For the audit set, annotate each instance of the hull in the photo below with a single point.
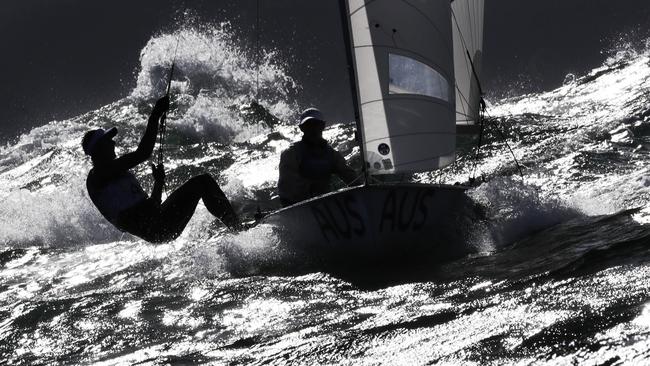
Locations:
(379, 223)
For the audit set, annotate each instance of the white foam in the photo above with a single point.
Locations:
(213, 76)
(516, 209)
(60, 217)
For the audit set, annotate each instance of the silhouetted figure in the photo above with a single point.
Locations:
(307, 165)
(121, 200)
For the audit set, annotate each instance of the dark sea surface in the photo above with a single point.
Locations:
(558, 272)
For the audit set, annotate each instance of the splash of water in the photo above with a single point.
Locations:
(43, 192)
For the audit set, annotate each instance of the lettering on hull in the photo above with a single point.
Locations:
(405, 211)
(340, 217)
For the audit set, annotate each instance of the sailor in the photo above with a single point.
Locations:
(121, 200)
(307, 165)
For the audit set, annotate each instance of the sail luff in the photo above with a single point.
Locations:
(347, 36)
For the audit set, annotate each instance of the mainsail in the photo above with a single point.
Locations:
(403, 58)
(467, 26)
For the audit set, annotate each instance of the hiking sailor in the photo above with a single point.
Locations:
(121, 200)
(307, 165)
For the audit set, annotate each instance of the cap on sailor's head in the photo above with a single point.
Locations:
(91, 138)
(311, 114)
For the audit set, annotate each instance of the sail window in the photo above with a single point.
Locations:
(409, 76)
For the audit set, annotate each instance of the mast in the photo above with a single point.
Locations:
(345, 24)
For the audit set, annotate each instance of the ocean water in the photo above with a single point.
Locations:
(558, 274)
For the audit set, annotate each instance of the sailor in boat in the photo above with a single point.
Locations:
(307, 165)
(121, 200)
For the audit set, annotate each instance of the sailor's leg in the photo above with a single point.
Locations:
(216, 201)
(180, 205)
(177, 210)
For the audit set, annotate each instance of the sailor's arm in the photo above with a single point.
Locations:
(290, 178)
(343, 170)
(148, 141)
(158, 172)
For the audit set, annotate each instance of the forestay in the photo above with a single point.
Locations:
(467, 25)
(403, 58)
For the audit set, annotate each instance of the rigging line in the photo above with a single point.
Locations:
(471, 26)
(466, 36)
(461, 94)
(357, 179)
(470, 62)
(464, 112)
(162, 127)
(508, 145)
(478, 146)
(469, 65)
(478, 81)
(257, 52)
(460, 32)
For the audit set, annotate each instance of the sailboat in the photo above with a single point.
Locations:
(415, 72)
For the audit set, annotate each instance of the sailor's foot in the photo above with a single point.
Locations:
(232, 222)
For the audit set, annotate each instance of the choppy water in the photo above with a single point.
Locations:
(559, 273)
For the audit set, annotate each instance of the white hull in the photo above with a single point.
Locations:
(379, 223)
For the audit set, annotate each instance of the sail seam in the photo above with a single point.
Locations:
(449, 47)
(361, 7)
(410, 96)
(425, 159)
(410, 134)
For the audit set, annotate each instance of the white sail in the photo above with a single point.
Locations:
(467, 19)
(403, 58)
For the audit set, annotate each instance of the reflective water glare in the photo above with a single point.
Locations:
(558, 272)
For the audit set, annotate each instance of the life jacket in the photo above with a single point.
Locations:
(113, 196)
(316, 163)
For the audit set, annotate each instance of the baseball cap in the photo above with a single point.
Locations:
(91, 138)
(311, 114)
